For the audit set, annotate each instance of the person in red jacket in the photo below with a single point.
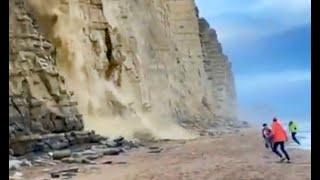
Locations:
(279, 138)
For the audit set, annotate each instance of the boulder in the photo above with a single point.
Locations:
(110, 143)
(112, 151)
(118, 139)
(14, 164)
(155, 151)
(61, 154)
(77, 160)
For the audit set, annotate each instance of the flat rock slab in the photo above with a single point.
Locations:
(61, 154)
(79, 160)
(154, 147)
(155, 151)
(111, 162)
(112, 151)
(64, 172)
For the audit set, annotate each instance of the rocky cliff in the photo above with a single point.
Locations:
(219, 74)
(119, 67)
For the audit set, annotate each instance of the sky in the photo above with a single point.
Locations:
(268, 43)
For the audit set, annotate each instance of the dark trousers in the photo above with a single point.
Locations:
(268, 142)
(275, 149)
(294, 137)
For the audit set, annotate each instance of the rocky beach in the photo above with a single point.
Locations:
(228, 156)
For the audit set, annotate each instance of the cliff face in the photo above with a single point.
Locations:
(219, 74)
(119, 67)
(39, 102)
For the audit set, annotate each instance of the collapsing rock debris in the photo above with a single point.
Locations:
(44, 143)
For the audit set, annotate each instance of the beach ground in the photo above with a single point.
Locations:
(240, 156)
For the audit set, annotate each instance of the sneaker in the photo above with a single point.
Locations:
(288, 161)
(282, 159)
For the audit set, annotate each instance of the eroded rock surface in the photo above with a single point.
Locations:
(220, 77)
(39, 102)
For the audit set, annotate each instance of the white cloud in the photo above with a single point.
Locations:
(267, 81)
(286, 12)
(287, 5)
(237, 20)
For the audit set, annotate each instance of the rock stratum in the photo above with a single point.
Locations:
(135, 68)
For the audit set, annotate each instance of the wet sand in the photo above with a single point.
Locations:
(239, 156)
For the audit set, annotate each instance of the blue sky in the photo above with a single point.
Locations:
(268, 43)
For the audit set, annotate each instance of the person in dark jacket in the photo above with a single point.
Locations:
(267, 135)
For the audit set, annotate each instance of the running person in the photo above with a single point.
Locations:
(267, 135)
(279, 139)
(293, 128)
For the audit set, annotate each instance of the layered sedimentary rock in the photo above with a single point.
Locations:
(189, 66)
(39, 102)
(129, 67)
(220, 77)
